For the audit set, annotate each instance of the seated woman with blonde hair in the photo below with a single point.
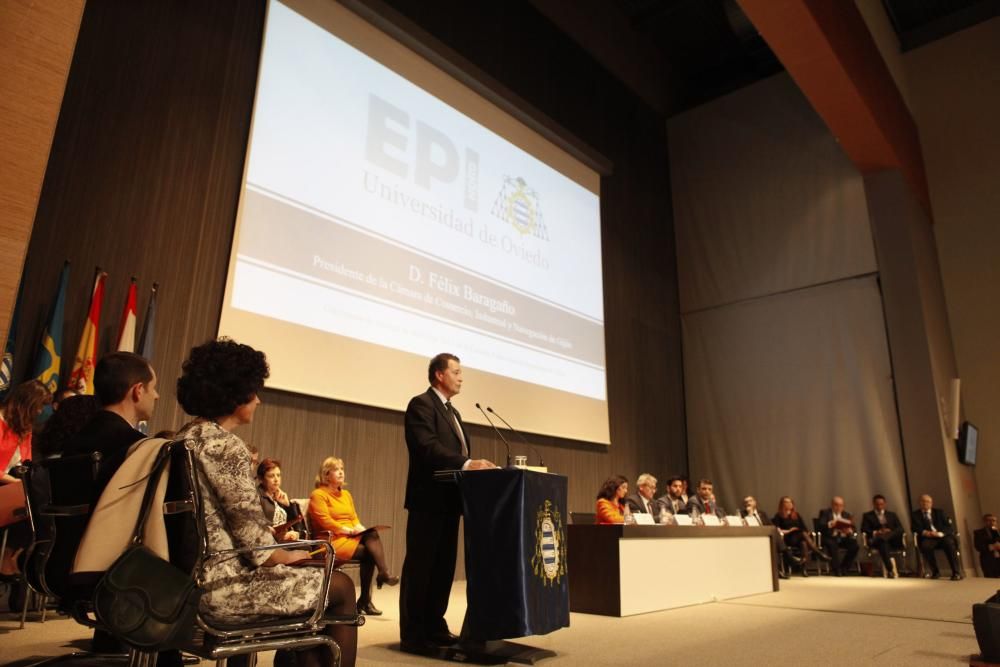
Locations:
(331, 510)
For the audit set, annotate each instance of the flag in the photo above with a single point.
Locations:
(146, 338)
(126, 330)
(7, 365)
(48, 362)
(81, 378)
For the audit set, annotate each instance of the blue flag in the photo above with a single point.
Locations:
(48, 362)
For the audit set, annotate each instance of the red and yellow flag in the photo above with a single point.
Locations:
(81, 378)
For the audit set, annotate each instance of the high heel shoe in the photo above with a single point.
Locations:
(368, 609)
(387, 579)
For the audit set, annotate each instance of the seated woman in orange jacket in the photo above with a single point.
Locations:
(611, 506)
(331, 510)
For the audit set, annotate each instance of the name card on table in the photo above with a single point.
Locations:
(683, 520)
(711, 520)
(735, 520)
(752, 520)
(643, 519)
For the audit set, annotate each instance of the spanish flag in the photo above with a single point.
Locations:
(126, 330)
(48, 361)
(81, 378)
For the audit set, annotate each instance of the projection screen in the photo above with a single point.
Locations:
(389, 212)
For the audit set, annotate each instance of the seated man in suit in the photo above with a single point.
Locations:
(673, 501)
(935, 531)
(750, 510)
(836, 525)
(987, 541)
(884, 533)
(704, 501)
(642, 501)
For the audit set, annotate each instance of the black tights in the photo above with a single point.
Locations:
(340, 602)
(371, 554)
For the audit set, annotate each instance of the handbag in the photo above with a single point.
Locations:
(142, 599)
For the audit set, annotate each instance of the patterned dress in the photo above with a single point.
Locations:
(238, 588)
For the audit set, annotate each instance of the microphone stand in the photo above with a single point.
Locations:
(541, 461)
(503, 439)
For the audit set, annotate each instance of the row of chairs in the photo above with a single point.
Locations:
(54, 489)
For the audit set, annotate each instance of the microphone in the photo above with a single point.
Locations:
(541, 461)
(505, 443)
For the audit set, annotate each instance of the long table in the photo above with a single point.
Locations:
(624, 570)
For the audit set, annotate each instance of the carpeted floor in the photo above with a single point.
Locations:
(816, 621)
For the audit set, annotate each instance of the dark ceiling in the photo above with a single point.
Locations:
(714, 49)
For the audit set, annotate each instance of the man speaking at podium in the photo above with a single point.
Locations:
(436, 440)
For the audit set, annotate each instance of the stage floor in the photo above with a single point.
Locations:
(815, 621)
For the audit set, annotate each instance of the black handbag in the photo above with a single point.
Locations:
(143, 600)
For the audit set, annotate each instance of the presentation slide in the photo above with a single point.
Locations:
(394, 212)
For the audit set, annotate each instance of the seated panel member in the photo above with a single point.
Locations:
(884, 532)
(611, 505)
(674, 501)
(750, 510)
(704, 501)
(277, 506)
(935, 531)
(987, 541)
(331, 510)
(642, 501)
(793, 530)
(836, 525)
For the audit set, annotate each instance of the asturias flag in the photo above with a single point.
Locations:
(81, 378)
(48, 361)
(126, 330)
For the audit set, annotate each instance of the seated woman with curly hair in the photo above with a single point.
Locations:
(331, 511)
(219, 386)
(611, 505)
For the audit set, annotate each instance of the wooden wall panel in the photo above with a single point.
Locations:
(36, 46)
(144, 179)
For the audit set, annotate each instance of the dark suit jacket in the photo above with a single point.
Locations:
(433, 444)
(110, 435)
(695, 502)
(636, 505)
(941, 522)
(765, 520)
(983, 538)
(869, 524)
(292, 510)
(825, 517)
(666, 501)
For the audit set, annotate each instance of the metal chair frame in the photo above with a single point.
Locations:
(872, 555)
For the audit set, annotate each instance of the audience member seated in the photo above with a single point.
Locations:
(643, 501)
(277, 507)
(884, 533)
(611, 505)
(219, 386)
(18, 412)
(935, 531)
(987, 541)
(684, 490)
(674, 500)
(793, 530)
(704, 501)
(125, 389)
(73, 414)
(61, 395)
(750, 511)
(836, 525)
(331, 510)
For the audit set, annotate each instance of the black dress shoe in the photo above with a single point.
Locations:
(793, 558)
(418, 647)
(368, 609)
(805, 573)
(935, 575)
(783, 575)
(385, 579)
(955, 576)
(444, 638)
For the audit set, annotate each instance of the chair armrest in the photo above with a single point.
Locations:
(64, 510)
